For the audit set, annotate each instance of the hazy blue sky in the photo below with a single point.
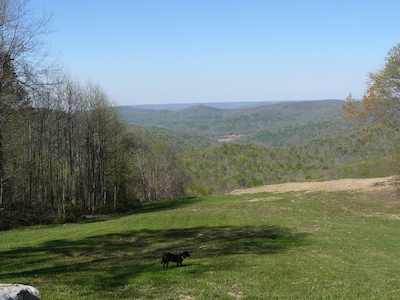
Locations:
(166, 51)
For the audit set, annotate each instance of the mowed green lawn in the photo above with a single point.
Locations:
(317, 245)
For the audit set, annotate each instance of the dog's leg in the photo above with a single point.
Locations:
(164, 263)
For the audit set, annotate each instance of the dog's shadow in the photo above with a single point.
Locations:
(188, 267)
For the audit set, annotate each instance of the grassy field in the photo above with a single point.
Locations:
(337, 245)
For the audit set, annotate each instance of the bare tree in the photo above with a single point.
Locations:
(161, 175)
(61, 144)
(23, 64)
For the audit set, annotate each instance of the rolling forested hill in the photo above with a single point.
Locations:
(226, 149)
(281, 124)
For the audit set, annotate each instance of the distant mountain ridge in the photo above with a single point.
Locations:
(219, 105)
(259, 125)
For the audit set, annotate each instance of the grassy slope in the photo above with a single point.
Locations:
(265, 246)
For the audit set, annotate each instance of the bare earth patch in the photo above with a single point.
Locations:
(229, 138)
(365, 185)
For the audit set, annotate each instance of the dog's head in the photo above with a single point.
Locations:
(185, 254)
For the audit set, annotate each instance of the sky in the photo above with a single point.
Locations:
(202, 51)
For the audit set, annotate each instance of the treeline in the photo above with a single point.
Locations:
(232, 166)
(63, 151)
(65, 154)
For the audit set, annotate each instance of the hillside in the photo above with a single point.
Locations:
(280, 124)
(228, 149)
(230, 167)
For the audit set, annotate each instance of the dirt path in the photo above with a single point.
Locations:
(366, 185)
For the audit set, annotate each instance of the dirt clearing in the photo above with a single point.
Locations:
(365, 185)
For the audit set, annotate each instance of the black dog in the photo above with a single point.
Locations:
(178, 258)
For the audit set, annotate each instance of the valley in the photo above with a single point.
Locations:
(228, 149)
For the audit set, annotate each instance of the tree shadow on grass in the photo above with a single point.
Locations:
(104, 262)
(160, 205)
